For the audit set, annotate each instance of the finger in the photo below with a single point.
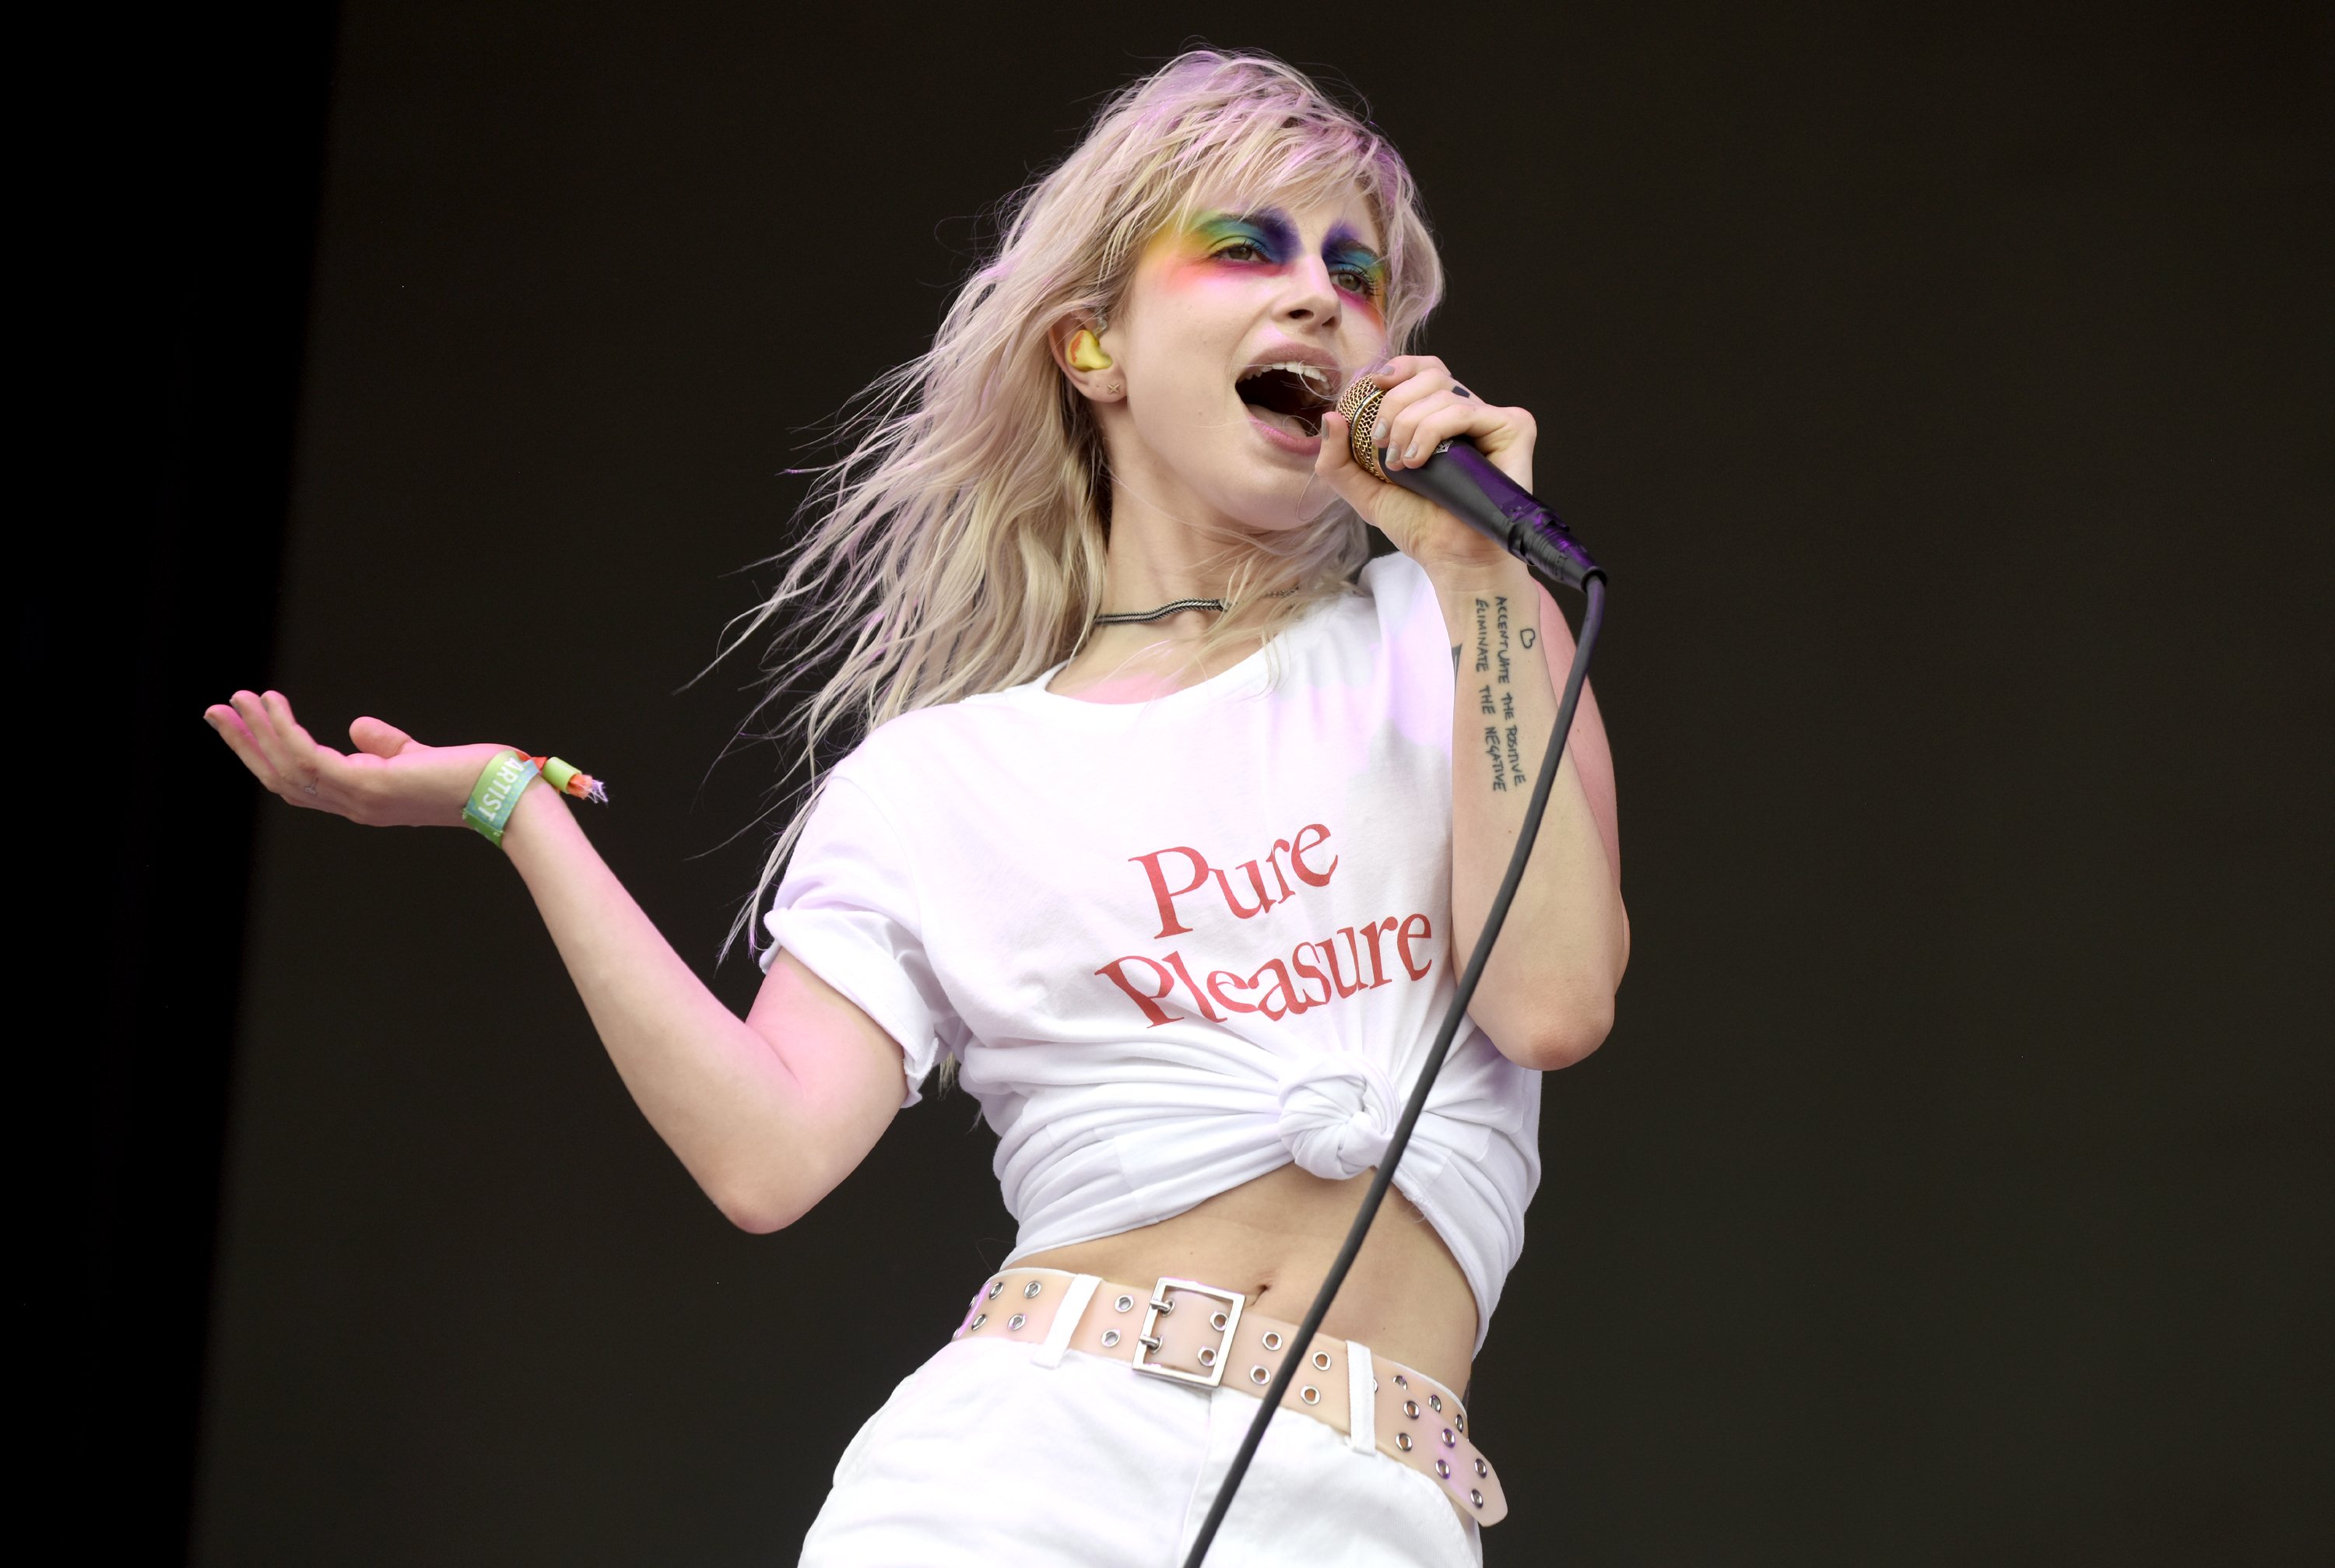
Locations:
(237, 735)
(307, 764)
(294, 750)
(294, 733)
(227, 721)
(378, 738)
(1400, 435)
(1398, 413)
(279, 710)
(1444, 420)
(1335, 466)
(1336, 453)
(261, 723)
(1404, 367)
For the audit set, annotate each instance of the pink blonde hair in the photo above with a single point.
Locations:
(957, 545)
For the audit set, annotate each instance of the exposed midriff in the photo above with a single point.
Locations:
(1275, 1239)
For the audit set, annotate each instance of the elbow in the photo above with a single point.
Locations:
(1581, 1015)
(756, 1221)
(1562, 1034)
(1583, 1031)
(758, 1208)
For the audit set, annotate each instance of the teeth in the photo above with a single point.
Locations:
(1312, 375)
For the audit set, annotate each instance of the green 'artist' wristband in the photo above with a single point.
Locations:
(496, 795)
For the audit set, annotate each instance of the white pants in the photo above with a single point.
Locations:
(985, 1456)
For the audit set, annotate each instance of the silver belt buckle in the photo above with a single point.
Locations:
(1213, 1359)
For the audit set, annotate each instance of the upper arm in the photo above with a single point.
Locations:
(846, 1074)
(1586, 749)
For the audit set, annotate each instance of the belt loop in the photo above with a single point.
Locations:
(1067, 1313)
(1361, 1399)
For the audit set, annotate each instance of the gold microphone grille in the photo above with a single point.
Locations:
(1360, 405)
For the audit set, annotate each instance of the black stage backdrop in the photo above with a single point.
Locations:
(1949, 398)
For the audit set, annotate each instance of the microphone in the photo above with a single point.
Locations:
(1463, 481)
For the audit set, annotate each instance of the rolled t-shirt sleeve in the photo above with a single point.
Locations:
(847, 909)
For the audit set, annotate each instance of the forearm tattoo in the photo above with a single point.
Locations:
(1496, 699)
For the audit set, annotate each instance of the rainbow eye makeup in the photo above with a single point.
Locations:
(1264, 237)
(1268, 238)
(1355, 266)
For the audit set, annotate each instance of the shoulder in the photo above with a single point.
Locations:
(926, 741)
(1397, 586)
(1394, 574)
(1405, 601)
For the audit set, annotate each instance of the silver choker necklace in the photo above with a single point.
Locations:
(1134, 617)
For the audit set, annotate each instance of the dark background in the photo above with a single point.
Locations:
(1951, 399)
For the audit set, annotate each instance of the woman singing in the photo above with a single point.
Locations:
(1169, 816)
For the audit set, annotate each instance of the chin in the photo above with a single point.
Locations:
(1279, 502)
(1277, 489)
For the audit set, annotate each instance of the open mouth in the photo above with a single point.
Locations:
(1288, 396)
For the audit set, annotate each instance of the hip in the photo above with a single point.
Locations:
(990, 1452)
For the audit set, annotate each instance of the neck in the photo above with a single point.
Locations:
(1166, 543)
(1156, 556)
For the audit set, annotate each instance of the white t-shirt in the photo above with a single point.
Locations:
(1177, 945)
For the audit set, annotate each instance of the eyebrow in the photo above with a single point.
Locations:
(1344, 241)
(1273, 226)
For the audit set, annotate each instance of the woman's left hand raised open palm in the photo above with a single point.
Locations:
(390, 780)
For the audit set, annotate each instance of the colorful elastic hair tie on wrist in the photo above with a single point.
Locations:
(506, 778)
(569, 780)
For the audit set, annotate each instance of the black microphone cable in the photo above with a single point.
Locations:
(1460, 479)
(1593, 618)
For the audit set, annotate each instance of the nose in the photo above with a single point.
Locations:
(1313, 298)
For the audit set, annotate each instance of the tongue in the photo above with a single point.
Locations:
(1281, 421)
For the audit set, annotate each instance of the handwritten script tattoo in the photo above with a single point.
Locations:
(1495, 699)
(1508, 703)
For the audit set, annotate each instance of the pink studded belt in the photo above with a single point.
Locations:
(1193, 1334)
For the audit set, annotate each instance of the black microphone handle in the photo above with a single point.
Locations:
(1462, 481)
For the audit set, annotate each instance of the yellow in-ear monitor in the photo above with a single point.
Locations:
(1085, 351)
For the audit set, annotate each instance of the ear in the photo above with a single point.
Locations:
(1084, 358)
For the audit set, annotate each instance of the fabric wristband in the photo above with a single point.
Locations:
(496, 795)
